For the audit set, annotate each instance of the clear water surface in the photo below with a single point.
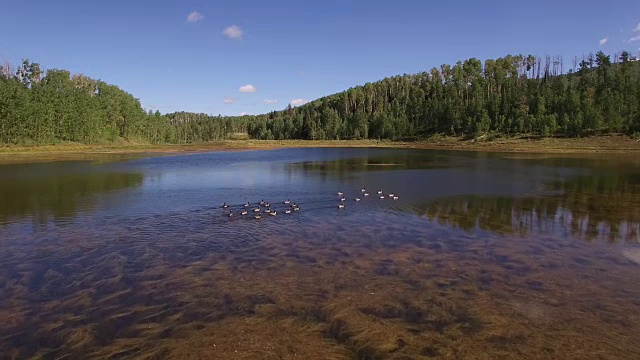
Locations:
(482, 256)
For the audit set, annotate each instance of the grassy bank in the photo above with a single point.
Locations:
(71, 151)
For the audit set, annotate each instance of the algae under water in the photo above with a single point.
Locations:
(482, 257)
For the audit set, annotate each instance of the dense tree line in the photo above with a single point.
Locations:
(510, 95)
(37, 109)
(56, 106)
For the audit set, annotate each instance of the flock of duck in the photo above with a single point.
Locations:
(287, 207)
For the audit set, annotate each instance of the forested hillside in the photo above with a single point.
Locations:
(37, 109)
(512, 95)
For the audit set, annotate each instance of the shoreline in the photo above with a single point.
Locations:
(614, 144)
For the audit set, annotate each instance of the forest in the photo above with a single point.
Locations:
(513, 95)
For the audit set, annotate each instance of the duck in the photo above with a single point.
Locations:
(379, 191)
(381, 196)
(363, 190)
(272, 213)
(288, 211)
(366, 194)
(358, 199)
(340, 193)
(267, 205)
(340, 206)
(247, 205)
(262, 202)
(224, 206)
(287, 202)
(391, 195)
(230, 214)
(343, 199)
(297, 208)
(244, 212)
(257, 216)
(256, 210)
(268, 211)
(395, 198)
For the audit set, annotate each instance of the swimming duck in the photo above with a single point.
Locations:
(391, 195)
(262, 202)
(272, 213)
(287, 202)
(340, 193)
(358, 199)
(395, 198)
(267, 205)
(230, 214)
(244, 212)
(363, 190)
(297, 208)
(287, 211)
(379, 191)
(267, 211)
(257, 216)
(256, 210)
(381, 196)
(224, 206)
(366, 194)
(343, 199)
(247, 205)
(340, 206)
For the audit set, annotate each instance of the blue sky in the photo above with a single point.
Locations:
(293, 50)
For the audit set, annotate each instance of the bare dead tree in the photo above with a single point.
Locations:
(547, 66)
(6, 69)
(556, 65)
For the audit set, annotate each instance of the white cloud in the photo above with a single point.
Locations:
(637, 28)
(268, 101)
(194, 16)
(229, 100)
(244, 113)
(637, 38)
(604, 41)
(298, 102)
(233, 32)
(247, 88)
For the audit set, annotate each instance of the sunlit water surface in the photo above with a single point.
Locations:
(483, 256)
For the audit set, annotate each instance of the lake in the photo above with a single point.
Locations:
(481, 256)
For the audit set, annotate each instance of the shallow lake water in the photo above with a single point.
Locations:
(482, 256)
